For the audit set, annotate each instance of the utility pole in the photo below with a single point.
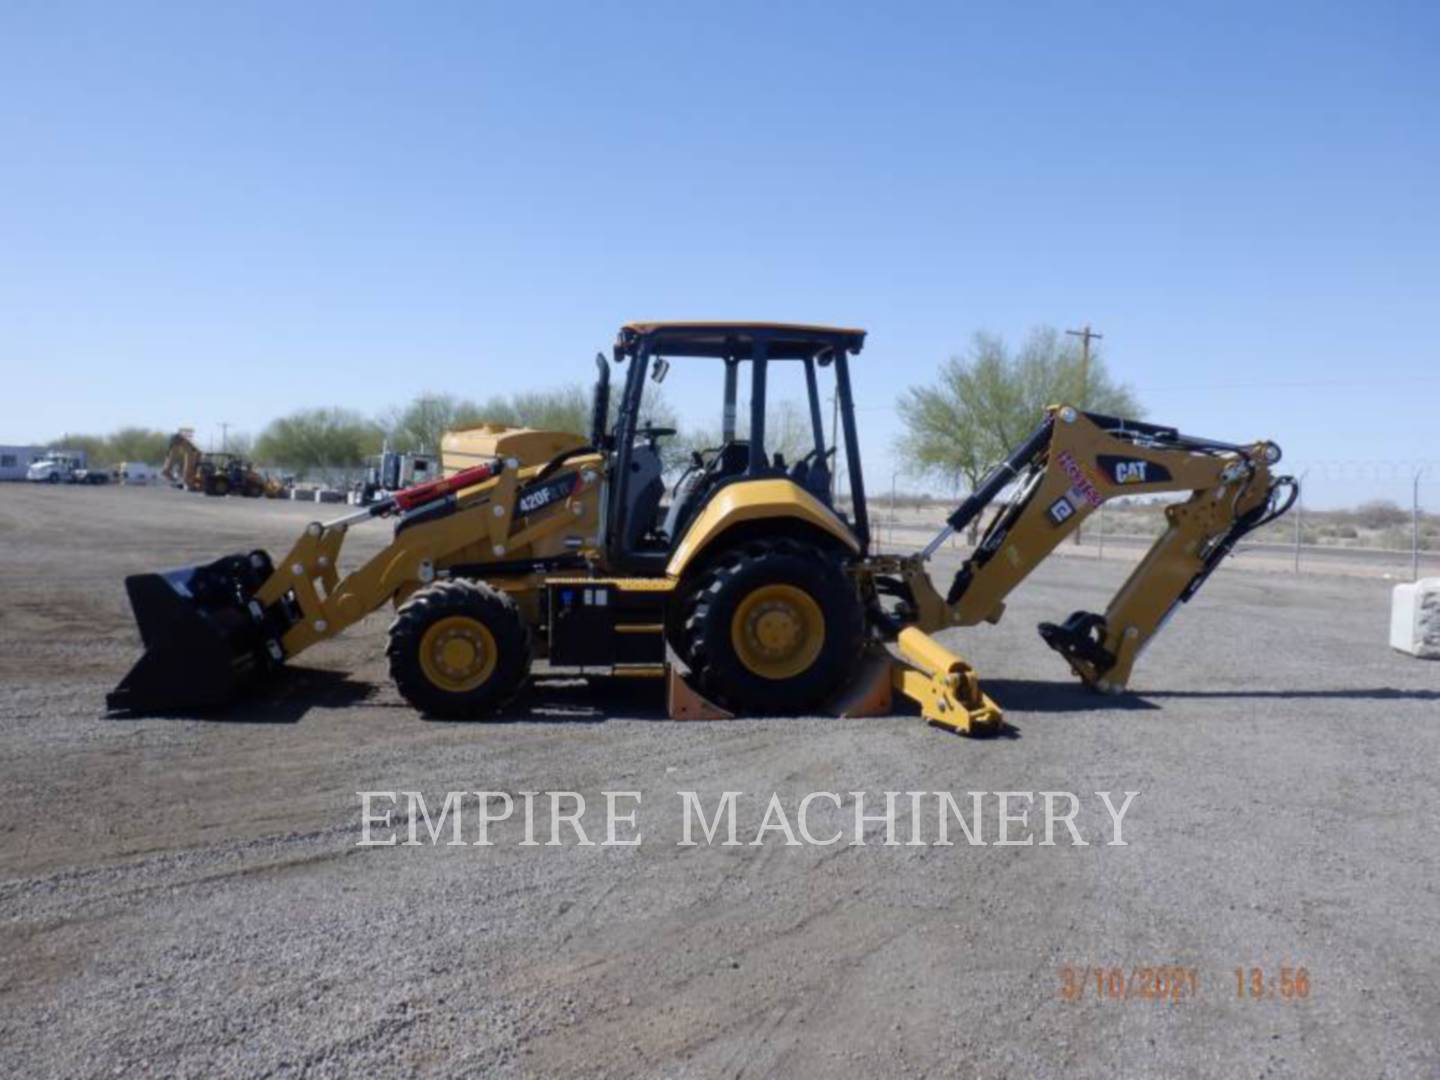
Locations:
(224, 434)
(1085, 334)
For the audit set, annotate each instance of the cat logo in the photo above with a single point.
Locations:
(1133, 470)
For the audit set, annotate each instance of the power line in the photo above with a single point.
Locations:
(1291, 384)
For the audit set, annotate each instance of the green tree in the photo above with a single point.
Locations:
(1381, 514)
(424, 422)
(420, 425)
(566, 409)
(787, 432)
(240, 443)
(984, 404)
(320, 440)
(123, 444)
(94, 447)
(137, 444)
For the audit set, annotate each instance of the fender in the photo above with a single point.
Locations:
(749, 500)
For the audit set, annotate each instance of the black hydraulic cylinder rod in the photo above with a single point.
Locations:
(1118, 425)
(1137, 427)
(999, 476)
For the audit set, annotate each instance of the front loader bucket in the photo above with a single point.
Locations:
(204, 637)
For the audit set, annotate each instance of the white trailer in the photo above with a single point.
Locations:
(136, 472)
(15, 461)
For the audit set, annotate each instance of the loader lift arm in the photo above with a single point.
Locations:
(1069, 466)
(209, 629)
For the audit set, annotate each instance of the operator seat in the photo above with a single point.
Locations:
(732, 459)
(814, 476)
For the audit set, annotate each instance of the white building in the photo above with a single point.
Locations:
(15, 460)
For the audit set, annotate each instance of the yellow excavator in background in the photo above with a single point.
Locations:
(214, 473)
(745, 584)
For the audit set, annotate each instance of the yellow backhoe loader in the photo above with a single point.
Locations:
(746, 584)
(214, 473)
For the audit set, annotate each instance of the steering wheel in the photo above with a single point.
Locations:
(809, 459)
(702, 462)
(653, 433)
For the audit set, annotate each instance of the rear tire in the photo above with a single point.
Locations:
(773, 627)
(458, 649)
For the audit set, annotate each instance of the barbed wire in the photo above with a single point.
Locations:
(1342, 469)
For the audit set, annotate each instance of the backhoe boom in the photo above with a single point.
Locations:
(1069, 466)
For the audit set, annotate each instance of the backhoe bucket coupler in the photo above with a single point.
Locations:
(944, 686)
(204, 636)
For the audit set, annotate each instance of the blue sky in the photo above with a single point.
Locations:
(314, 204)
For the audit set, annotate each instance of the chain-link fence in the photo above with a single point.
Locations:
(1367, 517)
(1365, 509)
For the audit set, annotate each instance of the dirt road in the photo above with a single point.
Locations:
(186, 897)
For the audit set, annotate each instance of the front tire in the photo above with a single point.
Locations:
(458, 649)
(773, 627)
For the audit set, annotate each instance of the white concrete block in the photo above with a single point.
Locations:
(1415, 618)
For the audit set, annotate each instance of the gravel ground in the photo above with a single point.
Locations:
(188, 897)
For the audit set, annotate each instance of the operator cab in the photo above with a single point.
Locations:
(641, 526)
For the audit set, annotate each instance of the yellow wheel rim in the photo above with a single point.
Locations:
(778, 631)
(458, 653)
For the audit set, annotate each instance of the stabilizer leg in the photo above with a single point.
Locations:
(944, 686)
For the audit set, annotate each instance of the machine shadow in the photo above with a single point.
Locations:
(1054, 696)
(1377, 693)
(282, 700)
(569, 700)
(1024, 695)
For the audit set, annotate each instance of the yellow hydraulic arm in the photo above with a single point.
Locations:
(475, 515)
(1070, 465)
(184, 455)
